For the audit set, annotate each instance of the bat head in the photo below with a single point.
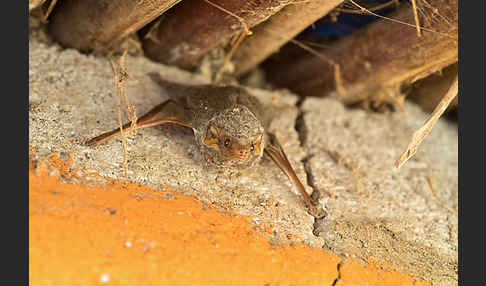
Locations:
(234, 137)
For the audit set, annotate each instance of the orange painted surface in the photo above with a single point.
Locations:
(374, 274)
(127, 234)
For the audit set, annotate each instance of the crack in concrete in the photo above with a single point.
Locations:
(339, 274)
(301, 128)
(315, 194)
(302, 131)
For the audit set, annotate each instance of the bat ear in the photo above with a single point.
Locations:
(259, 137)
(258, 143)
(212, 135)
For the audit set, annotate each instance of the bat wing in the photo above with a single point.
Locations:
(166, 112)
(275, 151)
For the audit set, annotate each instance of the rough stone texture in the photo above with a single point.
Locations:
(378, 211)
(389, 215)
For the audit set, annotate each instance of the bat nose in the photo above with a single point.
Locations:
(243, 154)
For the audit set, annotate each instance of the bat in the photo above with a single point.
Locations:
(228, 124)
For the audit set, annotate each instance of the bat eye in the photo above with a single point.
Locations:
(227, 142)
(252, 147)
